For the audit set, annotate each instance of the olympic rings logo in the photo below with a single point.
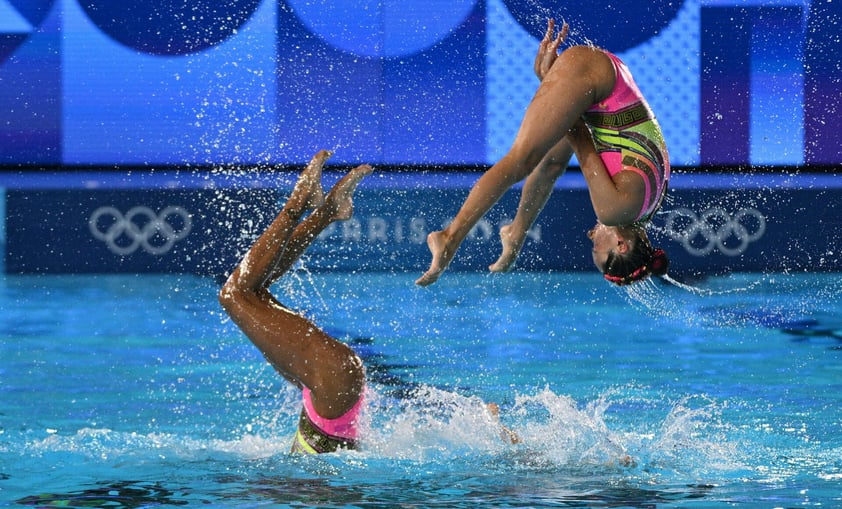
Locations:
(715, 228)
(140, 227)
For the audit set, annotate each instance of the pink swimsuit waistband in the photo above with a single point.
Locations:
(345, 426)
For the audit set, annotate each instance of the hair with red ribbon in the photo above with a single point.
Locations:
(657, 264)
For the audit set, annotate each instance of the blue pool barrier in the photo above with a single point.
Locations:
(201, 223)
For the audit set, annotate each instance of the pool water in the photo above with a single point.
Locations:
(135, 391)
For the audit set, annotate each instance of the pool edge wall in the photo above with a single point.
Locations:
(181, 222)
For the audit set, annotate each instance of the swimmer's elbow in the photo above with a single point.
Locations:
(228, 294)
(224, 297)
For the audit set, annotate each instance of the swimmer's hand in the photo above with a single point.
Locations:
(548, 49)
(627, 461)
(506, 434)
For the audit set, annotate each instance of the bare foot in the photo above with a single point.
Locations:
(511, 250)
(441, 259)
(340, 198)
(308, 193)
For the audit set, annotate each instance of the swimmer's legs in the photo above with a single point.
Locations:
(536, 191)
(295, 346)
(337, 206)
(257, 269)
(485, 193)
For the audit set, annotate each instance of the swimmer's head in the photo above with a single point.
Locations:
(624, 254)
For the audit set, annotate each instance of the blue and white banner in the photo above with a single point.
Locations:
(710, 224)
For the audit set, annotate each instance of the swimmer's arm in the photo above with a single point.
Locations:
(616, 200)
(508, 435)
(548, 49)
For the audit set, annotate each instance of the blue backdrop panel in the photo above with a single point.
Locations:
(723, 229)
(422, 106)
(752, 85)
(726, 88)
(30, 83)
(136, 230)
(417, 82)
(140, 89)
(823, 53)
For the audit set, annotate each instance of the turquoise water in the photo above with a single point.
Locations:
(135, 391)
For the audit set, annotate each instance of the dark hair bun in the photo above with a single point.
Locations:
(660, 262)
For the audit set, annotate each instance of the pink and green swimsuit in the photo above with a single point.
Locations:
(317, 434)
(628, 137)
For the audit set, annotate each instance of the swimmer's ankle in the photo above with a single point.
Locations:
(444, 238)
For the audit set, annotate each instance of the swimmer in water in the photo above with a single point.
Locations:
(329, 373)
(587, 104)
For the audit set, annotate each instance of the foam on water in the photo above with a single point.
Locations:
(435, 427)
(436, 439)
